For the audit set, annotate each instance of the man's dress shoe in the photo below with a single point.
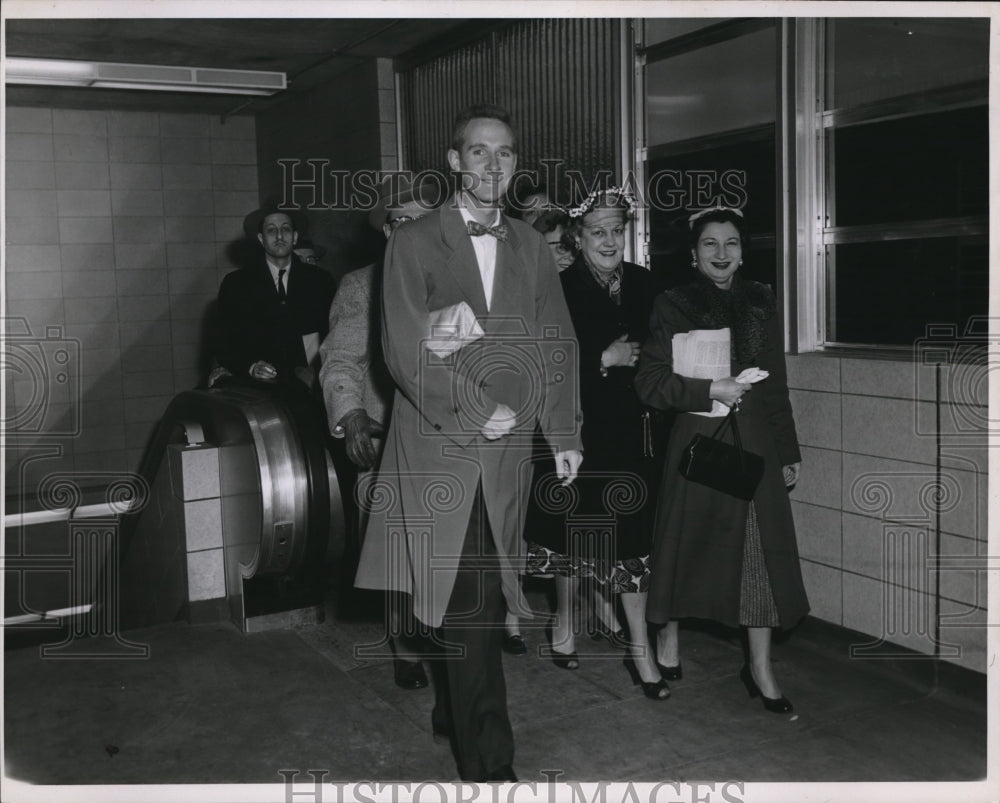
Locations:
(409, 675)
(504, 774)
(514, 644)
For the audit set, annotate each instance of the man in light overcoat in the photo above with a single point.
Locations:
(479, 341)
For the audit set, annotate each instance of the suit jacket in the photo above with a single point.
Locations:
(353, 374)
(435, 456)
(253, 325)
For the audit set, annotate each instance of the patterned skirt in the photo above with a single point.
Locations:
(757, 607)
(620, 576)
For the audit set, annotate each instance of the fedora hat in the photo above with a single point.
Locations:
(253, 221)
(402, 188)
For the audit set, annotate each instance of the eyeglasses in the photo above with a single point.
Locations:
(558, 247)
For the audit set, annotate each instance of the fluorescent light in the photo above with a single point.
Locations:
(159, 77)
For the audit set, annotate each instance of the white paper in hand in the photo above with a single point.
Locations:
(750, 376)
(451, 328)
(703, 354)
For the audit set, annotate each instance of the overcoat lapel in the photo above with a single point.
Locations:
(462, 259)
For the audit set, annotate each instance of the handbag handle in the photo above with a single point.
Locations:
(730, 421)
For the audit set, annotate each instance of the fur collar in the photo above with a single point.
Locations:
(744, 308)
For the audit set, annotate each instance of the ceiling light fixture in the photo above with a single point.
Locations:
(157, 77)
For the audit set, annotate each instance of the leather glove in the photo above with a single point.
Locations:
(359, 430)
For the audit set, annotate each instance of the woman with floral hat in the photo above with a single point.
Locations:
(604, 529)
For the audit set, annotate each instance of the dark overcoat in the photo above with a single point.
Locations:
(435, 455)
(699, 534)
(254, 325)
(614, 483)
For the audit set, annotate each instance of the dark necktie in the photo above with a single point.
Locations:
(478, 229)
(281, 285)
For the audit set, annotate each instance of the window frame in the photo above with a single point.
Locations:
(642, 56)
(810, 163)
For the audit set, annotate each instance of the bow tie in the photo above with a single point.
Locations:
(478, 229)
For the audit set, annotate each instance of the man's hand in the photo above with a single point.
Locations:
(567, 464)
(217, 373)
(263, 371)
(501, 423)
(358, 432)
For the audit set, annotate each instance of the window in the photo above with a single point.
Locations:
(710, 102)
(865, 149)
(902, 190)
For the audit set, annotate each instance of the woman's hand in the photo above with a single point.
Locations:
(791, 474)
(622, 352)
(728, 391)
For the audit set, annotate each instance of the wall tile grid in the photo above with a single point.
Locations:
(118, 227)
(883, 531)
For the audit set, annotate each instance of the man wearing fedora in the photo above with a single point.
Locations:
(273, 312)
(357, 388)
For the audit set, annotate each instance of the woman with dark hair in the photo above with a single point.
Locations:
(604, 530)
(552, 224)
(716, 556)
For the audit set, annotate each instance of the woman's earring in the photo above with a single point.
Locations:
(694, 262)
(741, 263)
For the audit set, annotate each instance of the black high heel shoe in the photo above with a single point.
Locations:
(566, 660)
(776, 705)
(670, 672)
(654, 690)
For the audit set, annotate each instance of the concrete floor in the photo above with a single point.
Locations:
(210, 705)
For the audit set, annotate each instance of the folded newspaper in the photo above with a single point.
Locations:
(451, 328)
(704, 354)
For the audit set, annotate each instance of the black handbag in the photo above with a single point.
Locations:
(710, 461)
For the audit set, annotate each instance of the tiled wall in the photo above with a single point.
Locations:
(118, 232)
(871, 495)
(317, 126)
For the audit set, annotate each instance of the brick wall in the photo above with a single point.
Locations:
(119, 229)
